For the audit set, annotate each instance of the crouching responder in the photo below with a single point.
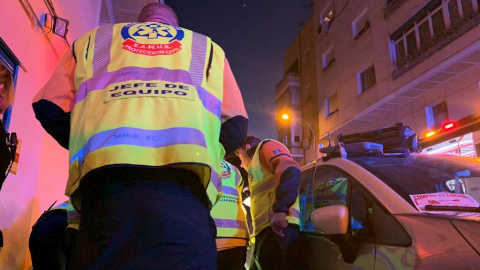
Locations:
(54, 238)
(229, 216)
(274, 180)
(7, 143)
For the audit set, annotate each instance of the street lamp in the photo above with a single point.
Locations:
(286, 117)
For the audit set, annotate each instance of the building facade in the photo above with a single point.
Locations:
(296, 95)
(417, 62)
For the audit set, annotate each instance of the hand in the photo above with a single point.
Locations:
(279, 222)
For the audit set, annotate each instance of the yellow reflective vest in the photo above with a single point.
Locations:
(262, 193)
(142, 100)
(228, 213)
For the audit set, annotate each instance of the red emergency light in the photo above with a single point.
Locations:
(449, 126)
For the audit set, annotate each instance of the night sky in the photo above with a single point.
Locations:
(255, 35)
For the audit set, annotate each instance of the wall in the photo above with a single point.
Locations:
(42, 168)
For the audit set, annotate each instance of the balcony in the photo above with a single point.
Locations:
(430, 30)
(288, 80)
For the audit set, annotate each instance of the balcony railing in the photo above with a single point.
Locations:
(431, 29)
(289, 76)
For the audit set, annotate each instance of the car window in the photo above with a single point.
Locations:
(361, 210)
(369, 220)
(329, 187)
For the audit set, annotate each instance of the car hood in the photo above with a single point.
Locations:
(466, 223)
(469, 229)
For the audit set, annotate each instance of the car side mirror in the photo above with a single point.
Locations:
(330, 220)
(333, 222)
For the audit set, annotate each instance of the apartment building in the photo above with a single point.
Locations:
(297, 96)
(379, 62)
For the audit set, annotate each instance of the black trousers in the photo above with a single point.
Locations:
(232, 258)
(46, 241)
(272, 252)
(137, 222)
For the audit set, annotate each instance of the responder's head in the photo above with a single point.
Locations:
(157, 12)
(247, 149)
(6, 88)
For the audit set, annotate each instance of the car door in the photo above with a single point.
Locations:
(324, 186)
(379, 241)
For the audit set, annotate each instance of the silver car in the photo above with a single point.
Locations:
(357, 211)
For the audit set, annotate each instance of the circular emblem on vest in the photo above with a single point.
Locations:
(152, 38)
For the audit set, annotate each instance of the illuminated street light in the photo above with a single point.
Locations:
(286, 117)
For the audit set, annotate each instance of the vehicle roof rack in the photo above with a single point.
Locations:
(399, 139)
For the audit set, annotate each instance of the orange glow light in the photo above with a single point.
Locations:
(285, 116)
(430, 134)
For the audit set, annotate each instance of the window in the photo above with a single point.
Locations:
(370, 222)
(367, 79)
(307, 56)
(432, 24)
(360, 25)
(437, 115)
(12, 63)
(332, 104)
(328, 58)
(326, 18)
(331, 187)
(468, 10)
(307, 92)
(440, 114)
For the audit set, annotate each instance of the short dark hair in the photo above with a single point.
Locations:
(251, 140)
(159, 12)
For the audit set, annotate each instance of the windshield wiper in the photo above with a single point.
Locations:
(452, 208)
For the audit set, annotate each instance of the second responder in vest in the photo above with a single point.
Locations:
(274, 179)
(230, 219)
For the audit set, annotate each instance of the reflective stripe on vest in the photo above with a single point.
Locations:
(156, 111)
(73, 217)
(209, 101)
(228, 213)
(262, 192)
(62, 206)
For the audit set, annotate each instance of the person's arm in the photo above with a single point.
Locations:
(54, 102)
(234, 116)
(276, 158)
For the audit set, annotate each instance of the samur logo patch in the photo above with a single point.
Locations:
(152, 38)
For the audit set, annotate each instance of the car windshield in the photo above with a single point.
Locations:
(422, 174)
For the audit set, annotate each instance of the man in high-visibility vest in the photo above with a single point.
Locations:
(231, 222)
(152, 108)
(274, 179)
